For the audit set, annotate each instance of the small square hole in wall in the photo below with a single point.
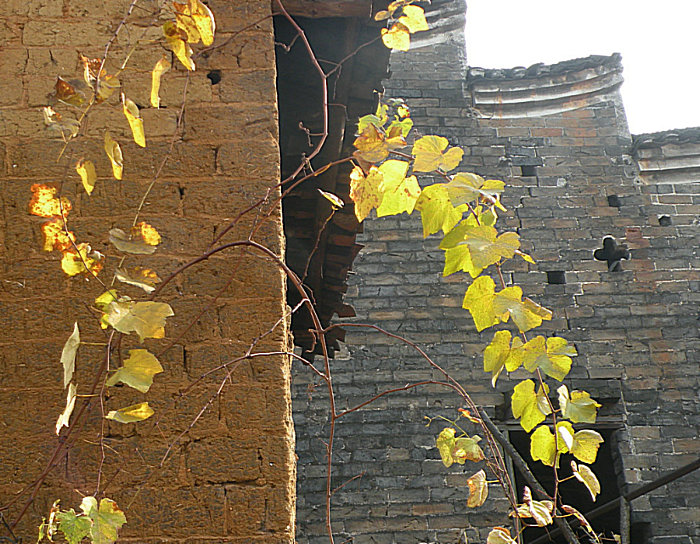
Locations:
(664, 220)
(556, 277)
(614, 201)
(528, 171)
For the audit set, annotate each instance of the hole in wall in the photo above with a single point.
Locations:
(612, 254)
(214, 76)
(665, 220)
(614, 201)
(556, 277)
(528, 171)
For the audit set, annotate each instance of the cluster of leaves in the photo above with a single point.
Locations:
(100, 523)
(464, 207)
(405, 19)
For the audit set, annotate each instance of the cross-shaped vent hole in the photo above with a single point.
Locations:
(612, 254)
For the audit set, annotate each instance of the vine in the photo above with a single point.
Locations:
(384, 178)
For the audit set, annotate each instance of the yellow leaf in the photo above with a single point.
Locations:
(68, 128)
(131, 414)
(524, 313)
(542, 445)
(45, 204)
(142, 240)
(114, 152)
(55, 235)
(335, 200)
(485, 246)
(204, 19)
(437, 211)
(104, 521)
(86, 171)
(530, 407)
(148, 233)
(585, 445)
(466, 187)
(478, 489)
(479, 301)
(414, 19)
(144, 278)
(131, 111)
(147, 319)
(70, 348)
(500, 535)
(428, 153)
(374, 146)
(82, 261)
(554, 357)
(138, 370)
(66, 92)
(539, 511)
(399, 192)
(64, 418)
(162, 66)
(458, 450)
(579, 407)
(176, 39)
(499, 355)
(105, 299)
(587, 477)
(364, 191)
(397, 37)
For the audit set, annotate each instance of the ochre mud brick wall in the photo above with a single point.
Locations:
(230, 477)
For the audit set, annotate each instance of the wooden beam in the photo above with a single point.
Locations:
(329, 8)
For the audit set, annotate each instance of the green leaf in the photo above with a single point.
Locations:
(429, 156)
(399, 193)
(64, 418)
(525, 313)
(587, 477)
(532, 408)
(485, 246)
(499, 355)
(106, 520)
(478, 489)
(138, 370)
(147, 319)
(467, 187)
(479, 301)
(437, 211)
(74, 526)
(552, 357)
(542, 445)
(131, 414)
(579, 407)
(70, 348)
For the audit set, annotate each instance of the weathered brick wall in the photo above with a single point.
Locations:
(231, 476)
(636, 331)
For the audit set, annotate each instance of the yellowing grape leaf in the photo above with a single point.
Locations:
(374, 146)
(429, 156)
(399, 193)
(582, 519)
(532, 408)
(132, 114)
(134, 243)
(585, 445)
(45, 204)
(524, 313)
(177, 43)
(114, 152)
(414, 19)
(539, 511)
(147, 319)
(138, 370)
(75, 527)
(485, 246)
(102, 302)
(499, 355)
(144, 278)
(400, 127)
(82, 261)
(587, 477)
(457, 259)
(466, 187)
(131, 414)
(579, 407)
(106, 519)
(364, 191)
(70, 348)
(458, 450)
(55, 122)
(87, 173)
(148, 233)
(554, 359)
(542, 445)
(92, 69)
(479, 301)
(162, 66)
(55, 235)
(68, 93)
(64, 418)
(437, 212)
(335, 200)
(397, 37)
(500, 535)
(478, 489)
(196, 20)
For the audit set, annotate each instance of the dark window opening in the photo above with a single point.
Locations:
(612, 254)
(556, 277)
(614, 201)
(528, 171)
(214, 76)
(573, 492)
(665, 220)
